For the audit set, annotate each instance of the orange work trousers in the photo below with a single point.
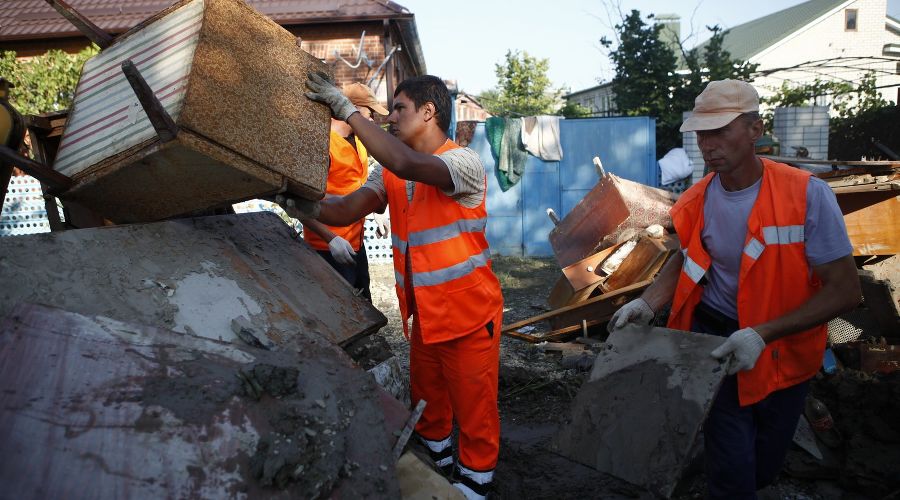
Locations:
(458, 379)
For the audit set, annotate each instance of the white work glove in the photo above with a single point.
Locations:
(298, 208)
(637, 311)
(341, 251)
(325, 91)
(746, 345)
(383, 224)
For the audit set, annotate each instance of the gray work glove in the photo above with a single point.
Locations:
(746, 346)
(341, 251)
(637, 311)
(325, 91)
(383, 224)
(298, 208)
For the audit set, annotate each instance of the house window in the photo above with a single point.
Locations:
(850, 20)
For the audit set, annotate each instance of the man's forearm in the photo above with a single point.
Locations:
(661, 291)
(384, 147)
(320, 229)
(344, 210)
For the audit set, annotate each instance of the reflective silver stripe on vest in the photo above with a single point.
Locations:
(692, 269)
(783, 235)
(774, 235)
(444, 233)
(754, 248)
(453, 272)
(397, 243)
(399, 279)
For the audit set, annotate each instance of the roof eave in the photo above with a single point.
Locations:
(409, 40)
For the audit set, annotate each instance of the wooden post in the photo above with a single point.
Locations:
(159, 117)
(58, 182)
(84, 25)
(387, 43)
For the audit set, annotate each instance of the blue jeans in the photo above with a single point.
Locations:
(745, 446)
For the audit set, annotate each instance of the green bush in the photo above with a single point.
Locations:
(44, 83)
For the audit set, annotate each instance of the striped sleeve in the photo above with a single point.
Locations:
(375, 182)
(467, 173)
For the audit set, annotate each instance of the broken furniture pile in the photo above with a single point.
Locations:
(610, 247)
(199, 357)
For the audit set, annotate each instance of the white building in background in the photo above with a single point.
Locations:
(600, 100)
(832, 40)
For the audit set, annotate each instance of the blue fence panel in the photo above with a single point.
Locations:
(504, 229)
(540, 191)
(517, 219)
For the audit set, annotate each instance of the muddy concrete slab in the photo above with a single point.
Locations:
(97, 408)
(639, 412)
(191, 275)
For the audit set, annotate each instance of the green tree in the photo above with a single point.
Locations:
(44, 83)
(647, 80)
(645, 68)
(523, 87)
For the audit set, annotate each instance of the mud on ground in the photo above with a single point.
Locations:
(536, 392)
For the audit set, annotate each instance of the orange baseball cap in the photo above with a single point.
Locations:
(362, 95)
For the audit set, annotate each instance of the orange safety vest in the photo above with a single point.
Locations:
(347, 172)
(453, 290)
(774, 279)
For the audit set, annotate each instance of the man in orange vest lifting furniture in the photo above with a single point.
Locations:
(436, 193)
(343, 247)
(765, 262)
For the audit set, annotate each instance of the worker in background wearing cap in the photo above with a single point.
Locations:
(437, 192)
(765, 262)
(343, 247)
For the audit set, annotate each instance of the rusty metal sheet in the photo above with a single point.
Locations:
(191, 275)
(639, 412)
(612, 207)
(95, 408)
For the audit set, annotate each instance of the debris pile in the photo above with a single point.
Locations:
(610, 247)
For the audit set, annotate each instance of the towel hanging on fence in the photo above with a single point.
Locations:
(505, 137)
(540, 136)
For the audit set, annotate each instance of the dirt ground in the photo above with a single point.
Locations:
(536, 392)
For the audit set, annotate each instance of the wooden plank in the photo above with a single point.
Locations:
(839, 163)
(93, 32)
(561, 294)
(873, 221)
(552, 335)
(639, 265)
(578, 307)
(586, 271)
(868, 188)
(160, 119)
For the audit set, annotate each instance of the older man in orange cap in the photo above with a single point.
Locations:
(765, 263)
(343, 247)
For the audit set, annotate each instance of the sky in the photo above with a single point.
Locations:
(463, 40)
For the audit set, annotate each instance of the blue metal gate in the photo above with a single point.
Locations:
(517, 219)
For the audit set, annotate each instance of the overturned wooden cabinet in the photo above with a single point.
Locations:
(233, 82)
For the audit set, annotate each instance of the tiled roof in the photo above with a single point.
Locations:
(746, 40)
(36, 19)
